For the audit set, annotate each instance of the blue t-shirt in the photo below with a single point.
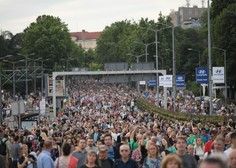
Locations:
(111, 154)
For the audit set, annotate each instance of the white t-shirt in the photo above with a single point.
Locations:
(227, 152)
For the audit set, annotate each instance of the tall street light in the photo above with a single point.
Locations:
(13, 74)
(209, 57)
(146, 48)
(137, 56)
(199, 55)
(42, 77)
(199, 64)
(2, 58)
(225, 65)
(157, 80)
(26, 72)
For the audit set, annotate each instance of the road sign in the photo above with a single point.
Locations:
(218, 75)
(201, 75)
(180, 81)
(152, 83)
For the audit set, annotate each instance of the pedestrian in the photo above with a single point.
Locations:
(15, 150)
(111, 148)
(214, 161)
(233, 143)
(23, 159)
(171, 161)
(187, 159)
(103, 160)
(125, 160)
(153, 159)
(90, 145)
(80, 152)
(232, 158)
(44, 159)
(66, 160)
(217, 147)
(91, 160)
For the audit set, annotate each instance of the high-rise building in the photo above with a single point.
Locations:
(187, 17)
(88, 40)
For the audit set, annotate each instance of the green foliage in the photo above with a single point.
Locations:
(49, 37)
(217, 6)
(117, 42)
(224, 36)
(194, 87)
(182, 117)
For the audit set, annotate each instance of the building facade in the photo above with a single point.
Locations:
(88, 40)
(187, 17)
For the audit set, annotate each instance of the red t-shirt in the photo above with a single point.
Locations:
(208, 146)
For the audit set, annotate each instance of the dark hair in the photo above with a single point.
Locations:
(108, 135)
(16, 138)
(233, 135)
(214, 160)
(66, 148)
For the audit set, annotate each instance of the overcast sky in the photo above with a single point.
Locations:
(91, 15)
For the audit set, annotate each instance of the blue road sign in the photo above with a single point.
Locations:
(201, 75)
(180, 81)
(152, 83)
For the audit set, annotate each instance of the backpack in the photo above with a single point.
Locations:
(3, 147)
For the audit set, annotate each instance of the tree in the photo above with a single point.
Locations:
(217, 6)
(48, 37)
(224, 36)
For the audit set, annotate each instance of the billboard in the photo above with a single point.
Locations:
(180, 81)
(167, 81)
(161, 80)
(60, 86)
(201, 75)
(218, 75)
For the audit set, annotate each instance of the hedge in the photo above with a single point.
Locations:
(143, 104)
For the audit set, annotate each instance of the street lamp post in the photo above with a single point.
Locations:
(225, 65)
(146, 48)
(199, 55)
(209, 57)
(137, 56)
(199, 64)
(1, 117)
(42, 80)
(174, 60)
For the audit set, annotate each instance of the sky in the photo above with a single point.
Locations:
(89, 15)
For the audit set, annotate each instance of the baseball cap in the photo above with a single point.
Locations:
(102, 148)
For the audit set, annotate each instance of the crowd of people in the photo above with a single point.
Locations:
(100, 127)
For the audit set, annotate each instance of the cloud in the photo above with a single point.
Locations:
(92, 15)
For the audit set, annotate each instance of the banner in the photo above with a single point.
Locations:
(167, 82)
(201, 75)
(180, 81)
(218, 75)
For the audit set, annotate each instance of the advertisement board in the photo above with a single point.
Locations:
(60, 86)
(180, 81)
(167, 82)
(218, 75)
(201, 75)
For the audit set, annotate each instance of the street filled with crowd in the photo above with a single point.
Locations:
(100, 126)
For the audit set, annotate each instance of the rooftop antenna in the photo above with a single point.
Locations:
(188, 3)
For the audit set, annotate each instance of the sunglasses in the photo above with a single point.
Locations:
(124, 150)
